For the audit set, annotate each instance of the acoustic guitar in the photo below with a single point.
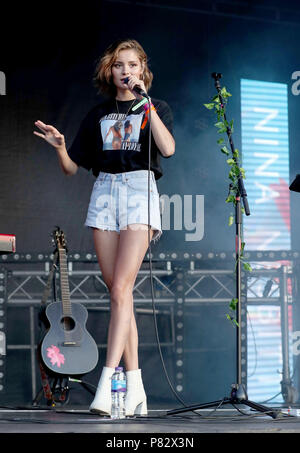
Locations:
(67, 348)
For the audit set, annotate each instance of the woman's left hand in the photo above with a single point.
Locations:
(132, 82)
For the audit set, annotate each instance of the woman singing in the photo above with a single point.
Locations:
(118, 209)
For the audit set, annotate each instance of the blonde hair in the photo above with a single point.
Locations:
(103, 74)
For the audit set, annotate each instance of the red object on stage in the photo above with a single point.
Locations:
(7, 243)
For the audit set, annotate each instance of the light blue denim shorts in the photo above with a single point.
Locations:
(121, 199)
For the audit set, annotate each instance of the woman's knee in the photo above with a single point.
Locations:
(121, 294)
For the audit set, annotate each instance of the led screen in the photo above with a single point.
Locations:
(265, 157)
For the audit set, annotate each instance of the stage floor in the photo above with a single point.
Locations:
(79, 420)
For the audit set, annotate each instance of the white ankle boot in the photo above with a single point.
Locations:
(135, 400)
(102, 401)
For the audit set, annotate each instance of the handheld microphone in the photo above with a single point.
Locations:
(136, 88)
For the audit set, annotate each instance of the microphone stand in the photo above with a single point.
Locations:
(238, 394)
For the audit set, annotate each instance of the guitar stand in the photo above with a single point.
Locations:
(59, 393)
(54, 388)
(57, 390)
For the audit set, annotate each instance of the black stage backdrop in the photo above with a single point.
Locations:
(48, 54)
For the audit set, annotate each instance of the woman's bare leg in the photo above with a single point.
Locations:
(130, 354)
(106, 245)
(122, 335)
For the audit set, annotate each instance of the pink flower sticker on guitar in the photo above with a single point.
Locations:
(55, 356)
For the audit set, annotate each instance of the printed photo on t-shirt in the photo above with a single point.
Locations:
(121, 132)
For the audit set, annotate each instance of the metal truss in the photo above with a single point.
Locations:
(88, 287)
(267, 285)
(179, 282)
(176, 284)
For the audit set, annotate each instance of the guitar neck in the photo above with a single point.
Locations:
(64, 282)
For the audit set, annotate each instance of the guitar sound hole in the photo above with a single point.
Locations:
(67, 323)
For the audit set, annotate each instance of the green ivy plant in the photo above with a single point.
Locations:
(235, 173)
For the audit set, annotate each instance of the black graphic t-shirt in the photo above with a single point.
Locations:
(114, 138)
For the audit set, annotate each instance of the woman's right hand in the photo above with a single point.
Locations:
(50, 134)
